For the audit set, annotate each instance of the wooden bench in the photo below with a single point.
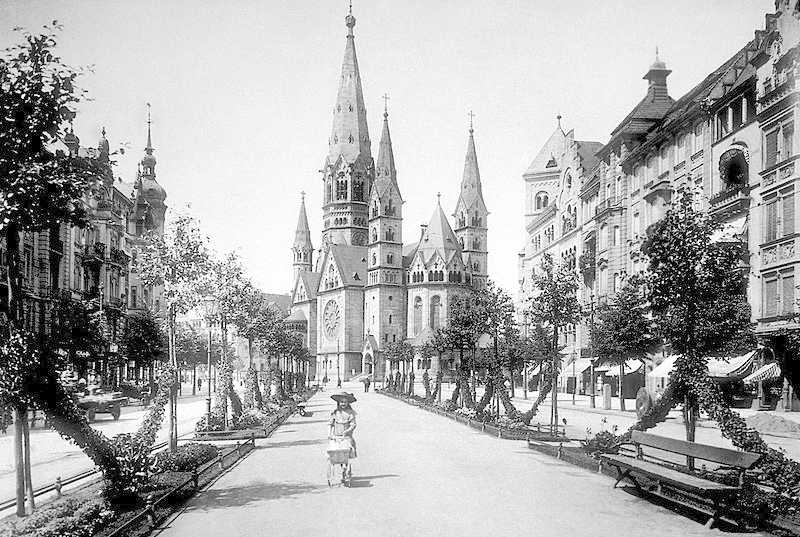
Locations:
(669, 475)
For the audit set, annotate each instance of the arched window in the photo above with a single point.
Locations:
(374, 235)
(374, 209)
(389, 234)
(461, 241)
(476, 244)
(417, 315)
(358, 190)
(436, 311)
(462, 220)
(541, 200)
(389, 259)
(374, 259)
(389, 207)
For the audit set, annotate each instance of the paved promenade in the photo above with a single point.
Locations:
(417, 474)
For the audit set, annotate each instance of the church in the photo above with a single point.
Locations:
(365, 287)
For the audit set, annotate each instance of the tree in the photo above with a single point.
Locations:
(178, 262)
(399, 352)
(698, 299)
(553, 306)
(463, 330)
(624, 330)
(144, 339)
(191, 350)
(75, 329)
(39, 188)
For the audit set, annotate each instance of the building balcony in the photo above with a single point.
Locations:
(587, 263)
(607, 205)
(118, 256)
(730, 201)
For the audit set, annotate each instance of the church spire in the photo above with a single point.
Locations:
(384, 166)
(350, 137)
(302, 248)
(471, 191)
(149, 160)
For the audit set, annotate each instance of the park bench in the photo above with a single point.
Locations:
(664, 474)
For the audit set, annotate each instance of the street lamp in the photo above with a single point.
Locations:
(592, 393)
(211, 308)
(338, 375)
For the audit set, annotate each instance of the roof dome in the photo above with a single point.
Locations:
(152, 190)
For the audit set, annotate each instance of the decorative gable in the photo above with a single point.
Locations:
(331, 279)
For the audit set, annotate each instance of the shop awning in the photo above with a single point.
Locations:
(732, 231)
(736, 367)
(576, 367)
(765, 372)
(612, 368)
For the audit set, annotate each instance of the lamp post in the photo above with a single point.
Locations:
(210, 306)
(338, 375)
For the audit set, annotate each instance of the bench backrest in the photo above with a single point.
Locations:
(724, 456)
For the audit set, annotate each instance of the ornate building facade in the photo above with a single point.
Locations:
(730, 140)
(368, 288)
(93, 263)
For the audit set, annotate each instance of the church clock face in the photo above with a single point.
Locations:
(331, 318)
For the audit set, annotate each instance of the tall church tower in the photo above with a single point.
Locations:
(151, 192)
(348, 171)
(384, 300)
(471, 218)
(302, 249)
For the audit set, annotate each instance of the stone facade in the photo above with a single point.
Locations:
(370, 287)
(730, 140)
(93, 263)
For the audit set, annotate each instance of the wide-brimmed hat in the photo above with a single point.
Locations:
(347, 397)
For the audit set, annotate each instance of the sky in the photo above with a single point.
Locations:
(242, 95)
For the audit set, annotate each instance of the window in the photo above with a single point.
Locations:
(680, 149)
(541, 202)
(616, 236)
(787, 292)
(636, 224)
(389, 259)
(652, 168)
(417, 315)
(779, 215)
(771, 148)
(602, 237)
(616, 283)
(618, 188)
(698, 137)
(436, 310)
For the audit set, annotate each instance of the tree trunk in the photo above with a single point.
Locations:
(487, 395)
(19, 459)
(545, 387)
(620, 385)
(26, 453)
(194, 378)
(690, 424)
(173, 402)
(554, 381)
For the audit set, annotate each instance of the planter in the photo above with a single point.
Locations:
(244, 434)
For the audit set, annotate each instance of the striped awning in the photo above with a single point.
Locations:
(765, 372)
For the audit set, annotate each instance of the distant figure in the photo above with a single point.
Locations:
(199, 384)
(366, 384)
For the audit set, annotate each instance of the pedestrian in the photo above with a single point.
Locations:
(366, 384)
(199, 384)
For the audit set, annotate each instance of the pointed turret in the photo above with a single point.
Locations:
(302, 248)
(348, 172)
(350, 136)
(471, 215)
(384, 167)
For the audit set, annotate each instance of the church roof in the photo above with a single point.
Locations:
(350, 137)
(302, 235)
(439, 237)
(279, 302)
(351, 262)
(296, 316)
(471, 190)
(409, 250)
(310, 282)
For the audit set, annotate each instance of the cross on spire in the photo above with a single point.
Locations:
(351, 7)
(149, 139)
(303, 194)
(385, 104)
(471, 115)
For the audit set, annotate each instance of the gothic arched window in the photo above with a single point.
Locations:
(358, 190)
(374, 259)
(374, 209)
(541, 200)
(374, 235)
(417, 315)
(436, 311)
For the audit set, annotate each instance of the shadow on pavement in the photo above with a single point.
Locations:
(294, 443)
(304, 421)
(246, 495)
(365, 481)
